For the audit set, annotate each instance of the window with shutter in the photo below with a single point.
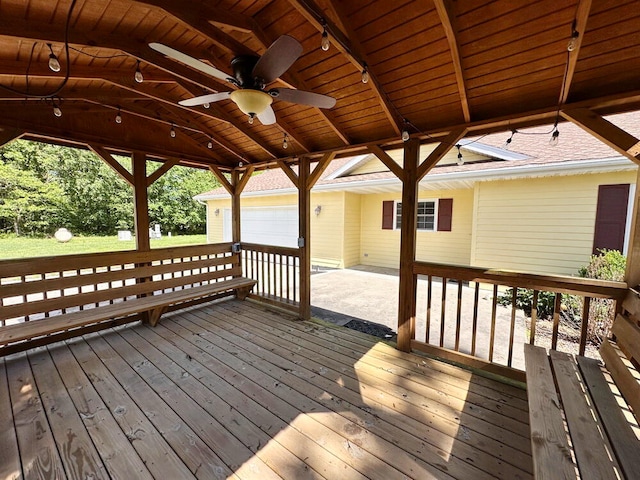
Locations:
(445, 214)
(387, 214)
(611, 217)
(427, 216)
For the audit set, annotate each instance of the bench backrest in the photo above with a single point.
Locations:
(622, 358)
(42, 287)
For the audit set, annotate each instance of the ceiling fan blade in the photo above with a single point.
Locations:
(201, 100)
(303, 98)
(268, 117)
(277, 59)
(189, 61)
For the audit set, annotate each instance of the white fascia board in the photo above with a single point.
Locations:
(494, 152)
(347, 167)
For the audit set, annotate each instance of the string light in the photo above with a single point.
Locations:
(210, 144)
(285, 141)
(507, 143)
(460, 159)
(405, 132)
(138, 75)
(56, 110)
(324, 41)
(553, 141)
(54, 63)
(206, 105)
(573, 42)
(118, 117)
(172, 132)
(365, 74)
(251, 117)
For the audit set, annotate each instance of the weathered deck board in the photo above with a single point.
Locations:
(235, 391)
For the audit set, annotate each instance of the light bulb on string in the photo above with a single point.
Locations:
(172, 132)
(460, 159)
(56, 111)
(54, 63)
(251, 116)
(324, 41)
(118, 117)
(405, 135)
(210, 144)
(285, 142)
(507, 143)
(365, 74)
(206, 105)
(555, 137)
(138, 75)
(573, 42)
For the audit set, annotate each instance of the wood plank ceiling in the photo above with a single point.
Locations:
(438, 64)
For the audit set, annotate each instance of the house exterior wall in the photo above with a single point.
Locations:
(352, 228)
(538, 225)
(381, 248)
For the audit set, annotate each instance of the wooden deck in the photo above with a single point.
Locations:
(232, 390)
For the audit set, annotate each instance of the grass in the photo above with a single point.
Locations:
(23, 247)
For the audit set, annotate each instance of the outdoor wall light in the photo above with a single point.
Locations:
(318, 209)
(217, 211)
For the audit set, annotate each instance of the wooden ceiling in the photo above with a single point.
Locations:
(440, 64)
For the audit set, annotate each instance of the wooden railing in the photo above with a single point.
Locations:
(463, 314)
(37, 288)
(277, 271)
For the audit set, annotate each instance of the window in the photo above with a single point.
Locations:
(426, 216)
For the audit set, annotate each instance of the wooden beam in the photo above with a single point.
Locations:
(389, 162)
(304, 229)
(141, 201)
(235, 207)
(605, 131)
(440, 151)
(223, 180)
(244, 179)
(320, 168)
(115, 165)
(8, 135)
(164, 168)
(290, 173)
(408, 280)
(447, 18)
(350, 47)
(632, 274)
(582, 15)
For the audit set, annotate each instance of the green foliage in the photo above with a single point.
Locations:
(44, 187)
(524, 301)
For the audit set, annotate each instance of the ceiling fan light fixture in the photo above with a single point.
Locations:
(251, 102)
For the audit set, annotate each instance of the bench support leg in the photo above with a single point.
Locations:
(155, 314)
(241, 293)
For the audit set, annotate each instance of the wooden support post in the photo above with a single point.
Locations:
(408, 280)
(141, 204)
(304, 229)
(235, 207)
(632, 274)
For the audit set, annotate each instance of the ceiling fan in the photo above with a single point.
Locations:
(252, 74)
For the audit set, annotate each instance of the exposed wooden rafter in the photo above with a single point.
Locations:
(319, 169)
(8, 135)
(582, 15)
(349, 46)
(447, 17)
(446, 144)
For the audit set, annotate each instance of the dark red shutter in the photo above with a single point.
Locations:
(387, 215)
(445, 214)
(611, 217)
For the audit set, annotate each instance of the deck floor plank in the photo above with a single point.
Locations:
(382, 398)
(10, 468)
(120, 459)
(38, 452)
(78, 454)
(233, 390)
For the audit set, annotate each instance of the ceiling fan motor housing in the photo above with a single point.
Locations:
(243, 71)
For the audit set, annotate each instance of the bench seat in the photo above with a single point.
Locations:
(154, 304)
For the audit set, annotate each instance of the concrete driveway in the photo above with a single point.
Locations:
(371, 294)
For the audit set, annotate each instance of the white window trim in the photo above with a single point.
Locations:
(435, 214)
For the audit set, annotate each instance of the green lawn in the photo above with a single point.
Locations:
(21, 247)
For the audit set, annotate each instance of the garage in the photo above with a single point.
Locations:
(265, 225)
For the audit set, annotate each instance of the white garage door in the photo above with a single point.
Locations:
(266, 226)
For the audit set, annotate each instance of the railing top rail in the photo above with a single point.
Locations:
(294, 252)
(554, 283)
(35, 265)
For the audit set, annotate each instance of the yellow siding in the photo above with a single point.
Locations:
(352, 226)
(541, 225)
(382, 247)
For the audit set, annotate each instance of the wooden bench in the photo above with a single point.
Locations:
(46, 299)
(579, 421)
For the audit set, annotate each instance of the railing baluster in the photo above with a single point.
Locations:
(534, 317)
(585, 325)
(556, 320)
(512, 330)
(443, 310)
(494, 309)
(459, 315)
(429, 293)
(474, 328)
